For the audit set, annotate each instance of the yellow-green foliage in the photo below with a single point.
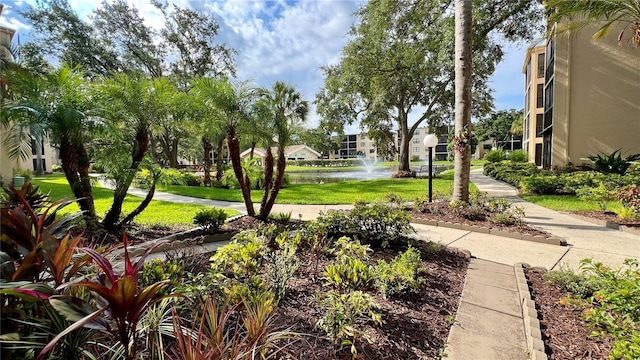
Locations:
(350, 274)
(242, 257)
(400, 276)
(159, 270)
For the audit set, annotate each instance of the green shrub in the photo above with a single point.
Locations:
(56, 168)
(280, 216)
(575, 283)
(97, 167)
(345, 315)
(349, 273)
(401, 276)
(542, 184)
(518, 156)
(377, 224)
(242, 257)
(210, 219)
(345, 248)
(415, 158)
(601, 195)
(25, 173)
(159, 270)
(280, 266)
(496, 155)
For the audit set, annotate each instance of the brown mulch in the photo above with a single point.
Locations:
(439, 211)
(415, 326)
(609, 216)
(564, 332)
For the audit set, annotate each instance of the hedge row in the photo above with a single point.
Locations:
(533, 180)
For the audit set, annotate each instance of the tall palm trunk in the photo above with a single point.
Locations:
(281, 163)
(219, 159)
(463, 72)
(70, 157)
(233, 144)
(268, 183)
(206, 148)
(137, 155)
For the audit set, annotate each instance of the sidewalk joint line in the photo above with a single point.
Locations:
(490, 309)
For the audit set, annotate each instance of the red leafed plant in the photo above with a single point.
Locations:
(34, 238)
(117, 296)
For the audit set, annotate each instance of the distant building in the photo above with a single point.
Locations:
(293, 152)
(591, 98)
(534, 72)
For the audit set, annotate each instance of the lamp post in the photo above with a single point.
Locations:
(430, 141)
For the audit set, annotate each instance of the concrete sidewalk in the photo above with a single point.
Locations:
(489, 323)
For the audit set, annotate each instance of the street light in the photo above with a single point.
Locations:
(430, 141)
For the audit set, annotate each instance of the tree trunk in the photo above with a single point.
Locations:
(463, 71)
(277, 184)
(39, 170)
(140, 147)
(206, 148)
(75, 164)
(233, 144)
(143, 205)
(403, 130)
(219, 172)
(268, 182)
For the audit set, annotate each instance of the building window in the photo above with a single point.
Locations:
(540, 65)
(416, 149)
(540, 96)
(539, 124)
(416, 132)
(371, 151)
(416, 141)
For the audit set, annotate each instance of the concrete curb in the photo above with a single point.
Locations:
(551, 240)
(535, 345)
(608, 224)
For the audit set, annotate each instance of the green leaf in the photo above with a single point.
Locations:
(75, 309)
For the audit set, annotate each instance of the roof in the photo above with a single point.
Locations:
(260, 152)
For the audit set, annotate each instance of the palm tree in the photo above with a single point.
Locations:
(230, 105)
(606, 14)
(282, 110)
(462, 137)
(132, 104)
(60, 104)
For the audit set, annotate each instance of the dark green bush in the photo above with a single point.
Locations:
(518, 156)
(211, 219)
(377, 224)
(401, 276)
(496, 155)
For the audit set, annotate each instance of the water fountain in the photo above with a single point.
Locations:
(369, 165)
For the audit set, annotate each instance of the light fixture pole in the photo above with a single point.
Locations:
(430, 141)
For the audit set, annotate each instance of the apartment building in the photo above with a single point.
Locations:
(591, 98)
(534, 72)
(355, 145)
(48, 155)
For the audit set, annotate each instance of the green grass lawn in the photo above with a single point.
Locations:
(158, 212)
(345, 192)
(568, 203)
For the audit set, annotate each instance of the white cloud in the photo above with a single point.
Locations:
(9, 17)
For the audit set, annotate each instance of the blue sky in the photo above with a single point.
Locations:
(288, 40)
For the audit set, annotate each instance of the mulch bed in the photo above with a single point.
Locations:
(439, 211)
(609, 216)
(415, 326)
(564, 332)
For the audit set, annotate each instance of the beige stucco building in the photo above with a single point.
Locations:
(592, 98)
(8, 166)
(534, 74)
(293, 152)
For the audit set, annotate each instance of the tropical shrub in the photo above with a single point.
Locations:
(415, 158)
(280, 216)
(600, 195)
(345, 315)
(377, 224)
(494, 156)
(210, 219)
(280, 266)
(518, 156)
(612, 163)
(401, 276)
(25, 173)
(349, 273)
(159, 270)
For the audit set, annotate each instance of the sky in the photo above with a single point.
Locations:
(288, 40)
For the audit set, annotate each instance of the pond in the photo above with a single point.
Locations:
(336, 176)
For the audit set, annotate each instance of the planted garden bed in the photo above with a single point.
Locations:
(588, 315)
